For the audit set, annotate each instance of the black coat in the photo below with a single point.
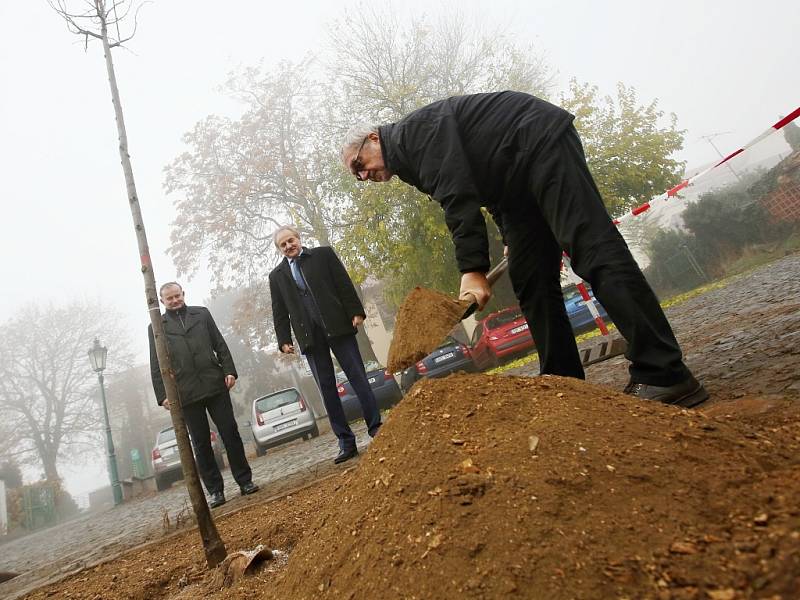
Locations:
(472, 151)
(199, 355)
(331, 288)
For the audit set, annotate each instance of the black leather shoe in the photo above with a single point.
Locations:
(687, 394)
(374, 431)
(249, 488)
(345, 455)
(217, 499)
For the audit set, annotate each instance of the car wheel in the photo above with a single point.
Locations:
(162, 483)
(314, 432)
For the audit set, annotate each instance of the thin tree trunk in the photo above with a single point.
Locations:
(212, 543)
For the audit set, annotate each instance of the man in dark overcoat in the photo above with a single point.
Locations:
(313, 295)
(521, 158)
(205, 373)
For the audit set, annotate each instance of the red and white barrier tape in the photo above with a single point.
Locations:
(687, 182)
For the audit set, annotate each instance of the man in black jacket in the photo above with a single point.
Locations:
(204, 373)
(313, 295)
(521, 158)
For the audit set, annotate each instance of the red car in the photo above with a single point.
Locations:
(500, 335)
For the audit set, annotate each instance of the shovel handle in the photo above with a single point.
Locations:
(497, 271)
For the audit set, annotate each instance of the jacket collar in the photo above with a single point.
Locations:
(305, 253)
(189, 319)
(393, 157)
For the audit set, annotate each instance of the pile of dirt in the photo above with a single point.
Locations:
(487, 486)
(423, 321)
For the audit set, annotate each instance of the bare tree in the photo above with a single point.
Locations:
(95, 22)
(47, 393)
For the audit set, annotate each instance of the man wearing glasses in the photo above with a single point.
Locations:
(521, 158)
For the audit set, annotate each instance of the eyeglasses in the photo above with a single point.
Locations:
(355, 165)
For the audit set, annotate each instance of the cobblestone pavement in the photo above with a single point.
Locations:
(741, 340)
(49, 554)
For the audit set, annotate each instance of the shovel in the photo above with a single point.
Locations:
(426, 317)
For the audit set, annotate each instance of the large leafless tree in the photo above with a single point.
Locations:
(48, 393)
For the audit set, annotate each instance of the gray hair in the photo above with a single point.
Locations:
(167, 285)
(355, 136)
(282, 228)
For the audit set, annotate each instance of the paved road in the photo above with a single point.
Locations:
(50, 553)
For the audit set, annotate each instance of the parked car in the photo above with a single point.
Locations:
(280, 417)
(504, 334)
(579, 315)
(383, 384)
(499, 336)
(167, 461)
(448, 358)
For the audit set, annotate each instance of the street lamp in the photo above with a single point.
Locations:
(97, 356)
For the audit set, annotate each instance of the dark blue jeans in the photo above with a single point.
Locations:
(345, 349)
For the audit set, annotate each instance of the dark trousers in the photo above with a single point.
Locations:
(221, 411)
(345, 349)
(568, 213)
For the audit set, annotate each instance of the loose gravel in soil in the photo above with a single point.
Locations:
(487, 487)
(423, 321)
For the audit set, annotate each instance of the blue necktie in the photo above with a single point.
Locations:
(298, 274)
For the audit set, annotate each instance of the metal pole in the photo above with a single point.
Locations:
(710, 140)
(116, 488)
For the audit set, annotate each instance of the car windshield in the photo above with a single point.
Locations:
(372, 366)
(166, 436)
(277, 400)
(507, 316)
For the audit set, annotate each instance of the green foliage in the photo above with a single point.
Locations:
(627, 148)
(723, 223)
(720, 227)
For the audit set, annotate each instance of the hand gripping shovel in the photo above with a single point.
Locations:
(491, 277)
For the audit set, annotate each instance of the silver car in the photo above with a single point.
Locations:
(167, 461)
(280, 417)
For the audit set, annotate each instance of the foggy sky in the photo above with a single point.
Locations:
(720, 66)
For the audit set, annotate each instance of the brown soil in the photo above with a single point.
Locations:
(487, 486)
(423, 321)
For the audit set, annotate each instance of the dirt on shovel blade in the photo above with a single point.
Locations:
(423, 321)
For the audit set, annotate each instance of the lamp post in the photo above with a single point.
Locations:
(97, 356)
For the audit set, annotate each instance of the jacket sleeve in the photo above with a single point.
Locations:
(280, 313)
(155, 370)
(345, 289)
(435, 149)
(220, 346)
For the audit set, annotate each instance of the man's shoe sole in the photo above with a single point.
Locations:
(694, 398)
